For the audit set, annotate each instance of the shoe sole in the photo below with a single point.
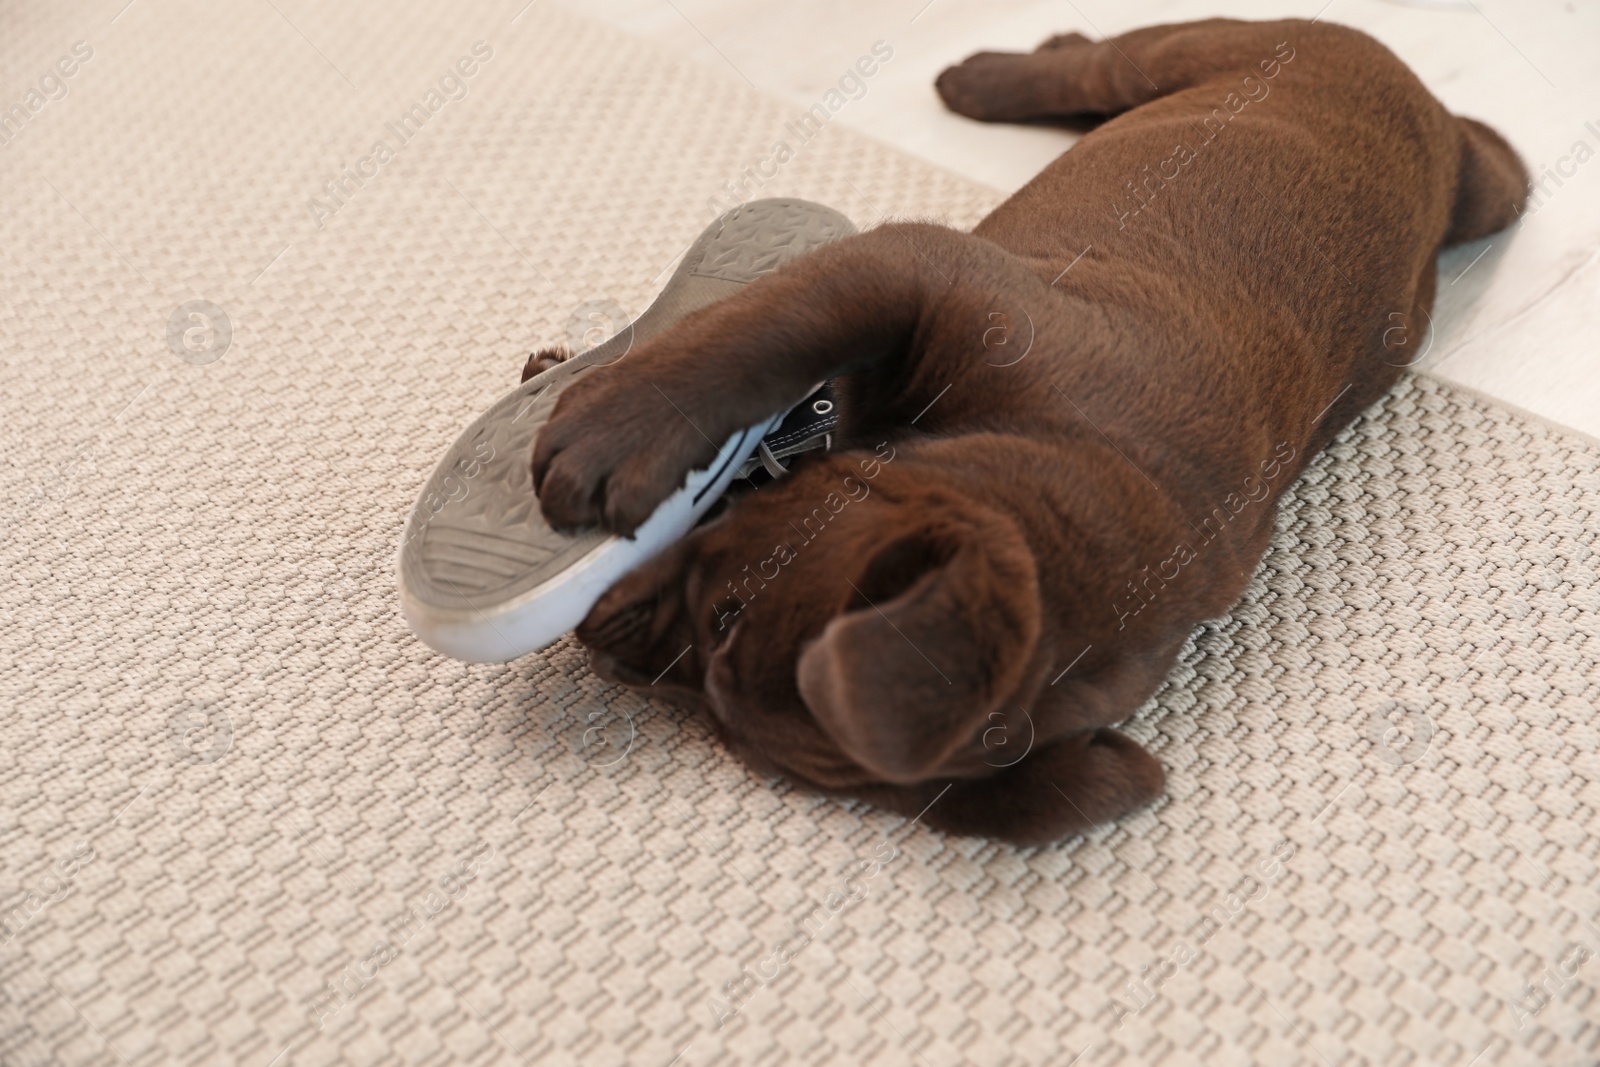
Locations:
(483, 578)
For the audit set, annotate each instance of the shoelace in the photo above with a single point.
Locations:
(807, 426)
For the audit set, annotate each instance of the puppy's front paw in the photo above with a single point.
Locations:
(614, 449)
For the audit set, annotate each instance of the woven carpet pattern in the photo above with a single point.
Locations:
(246, 818)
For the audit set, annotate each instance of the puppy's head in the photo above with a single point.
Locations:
(852, 626)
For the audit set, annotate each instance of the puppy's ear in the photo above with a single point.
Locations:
(939, 627)
(1062, 788)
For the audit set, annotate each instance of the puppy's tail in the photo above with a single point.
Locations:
(1491, 184)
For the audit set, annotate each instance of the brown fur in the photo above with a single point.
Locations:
(545, 359)
(1064, 434)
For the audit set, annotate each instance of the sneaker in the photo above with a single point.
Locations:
(483, 577)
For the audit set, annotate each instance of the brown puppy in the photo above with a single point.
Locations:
(1063, 433)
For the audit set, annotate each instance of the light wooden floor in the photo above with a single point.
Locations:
(1521, 323)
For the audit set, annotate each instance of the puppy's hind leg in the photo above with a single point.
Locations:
(1050, 83)
(1064, 40)
(1070, 75)
(1491, 185)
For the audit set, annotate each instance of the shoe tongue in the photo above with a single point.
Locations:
(808, 425)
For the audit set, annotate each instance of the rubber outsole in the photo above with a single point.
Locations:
(483, 578)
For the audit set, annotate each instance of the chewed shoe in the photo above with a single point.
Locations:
(483, 577)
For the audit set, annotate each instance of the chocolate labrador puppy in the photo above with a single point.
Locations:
(1063, 434)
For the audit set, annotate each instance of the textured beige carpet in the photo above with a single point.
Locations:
(246, 818)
